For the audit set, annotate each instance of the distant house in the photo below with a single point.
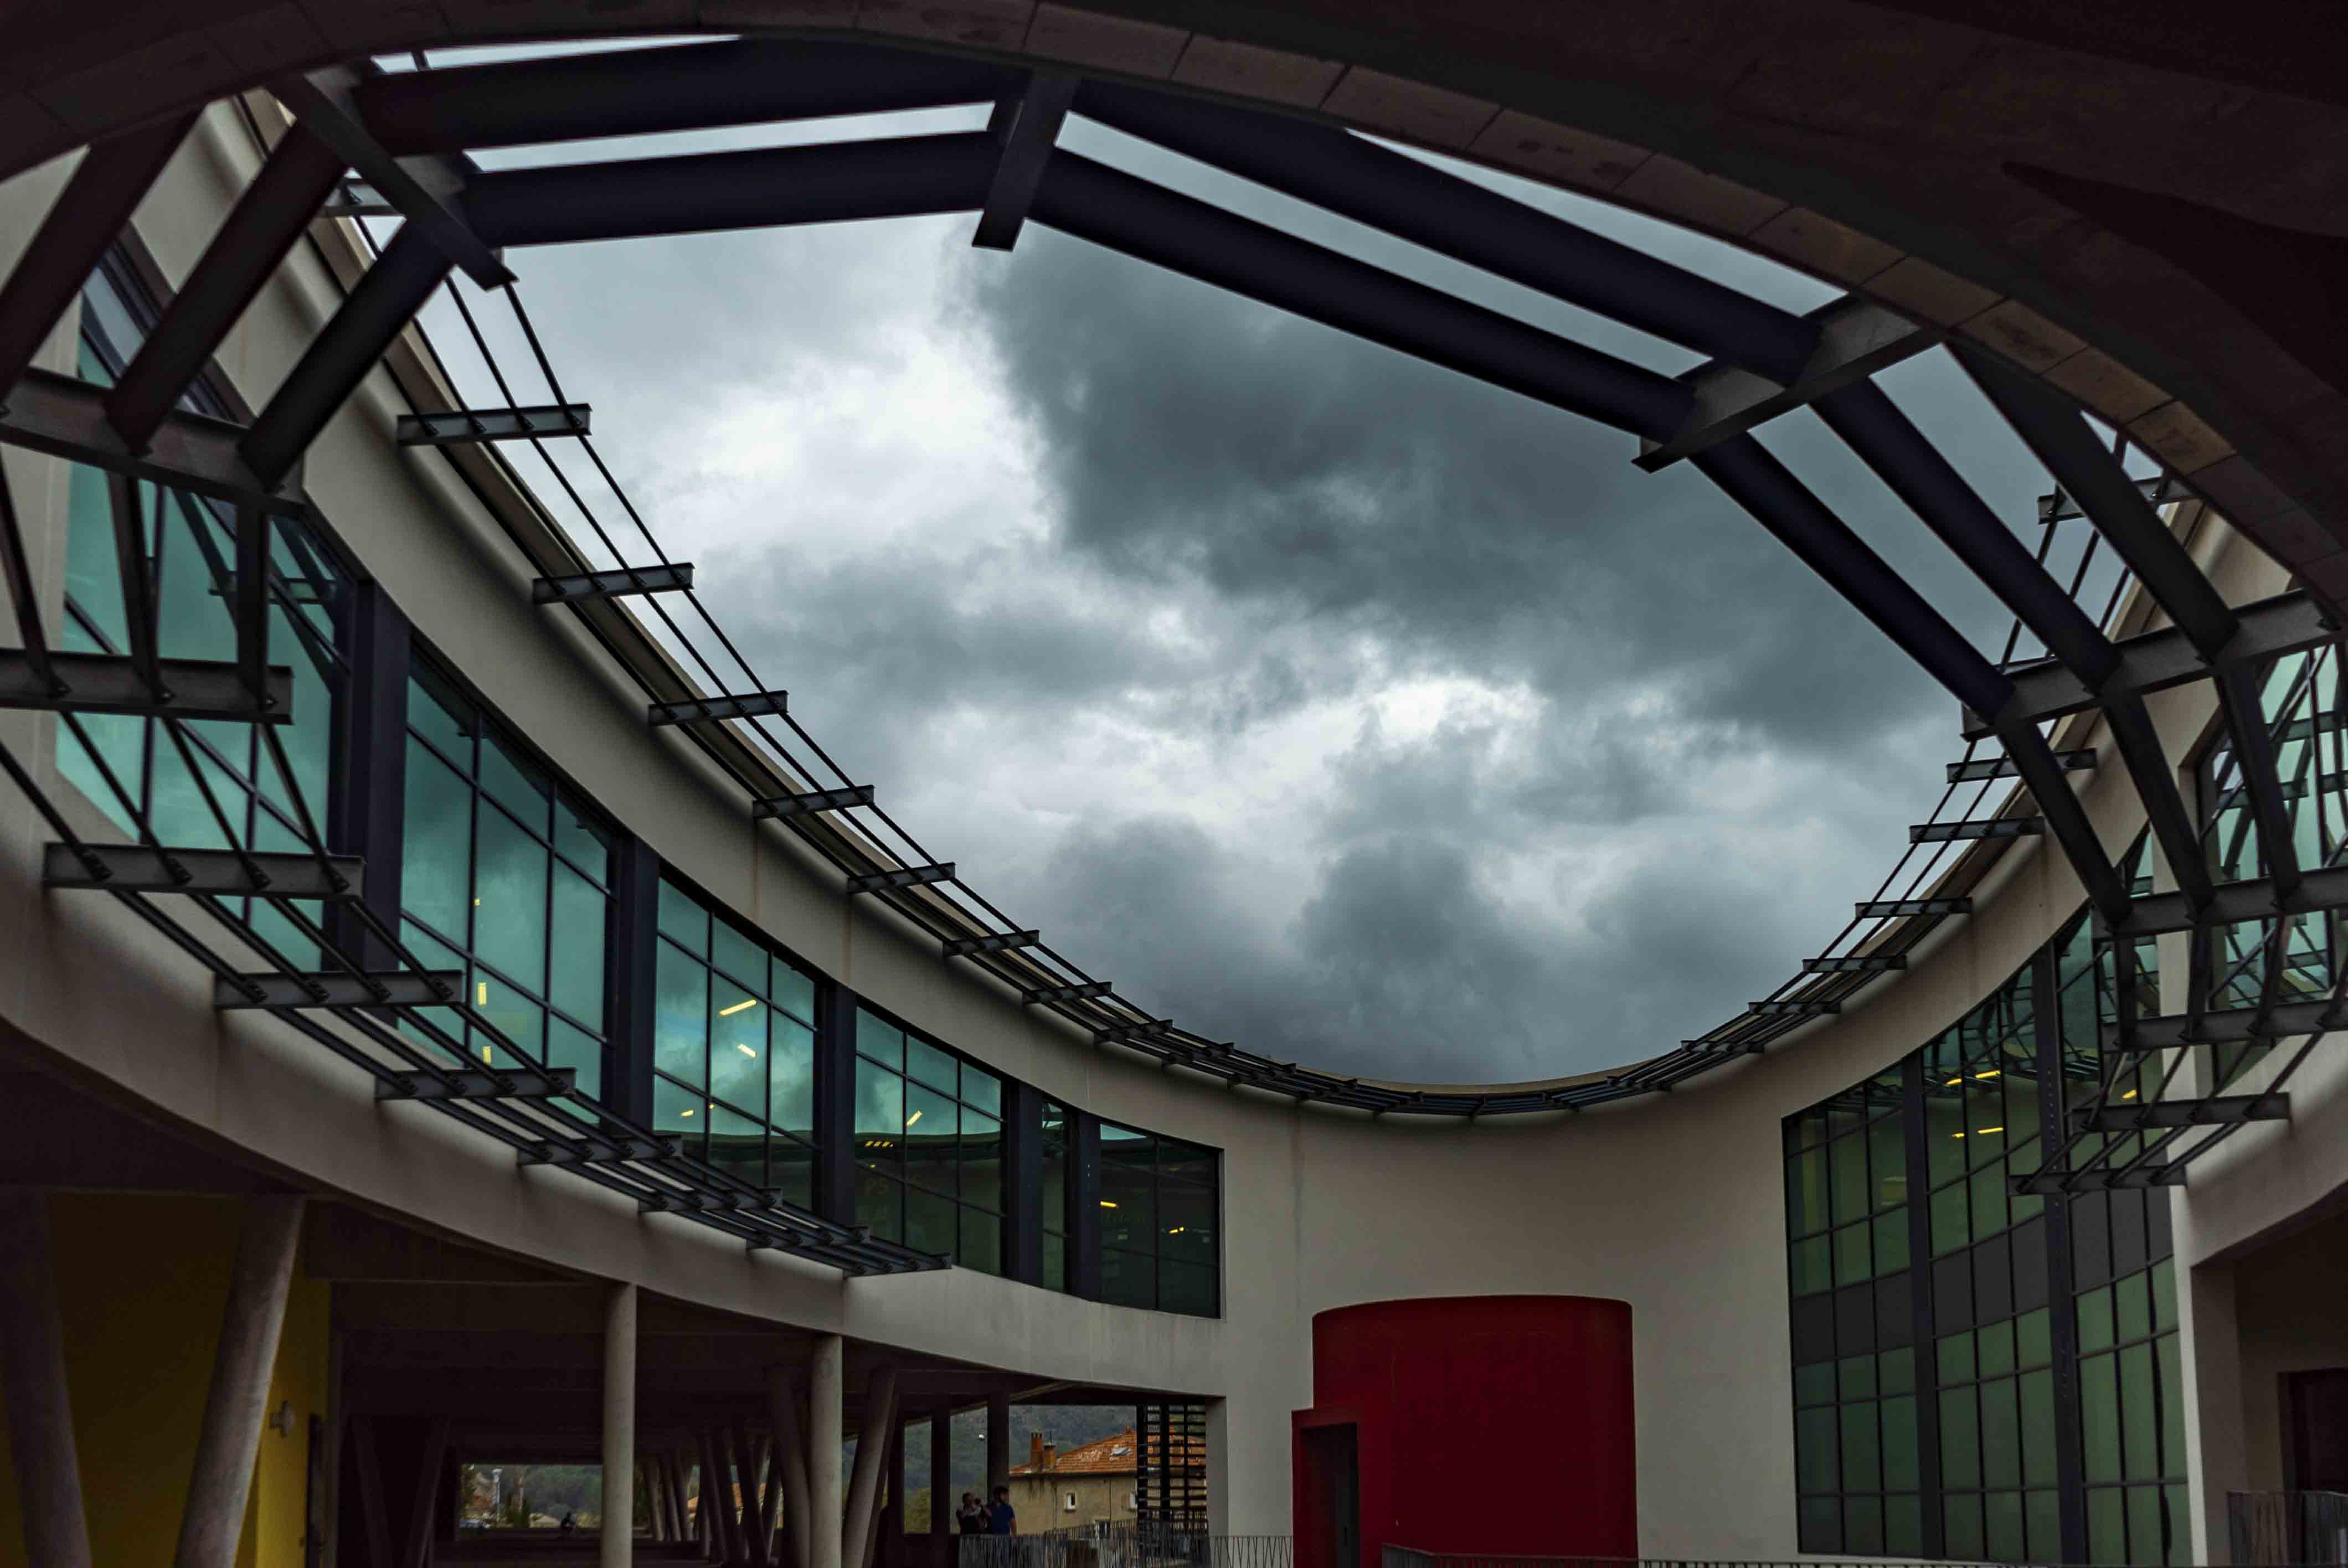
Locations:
(1087, 1485)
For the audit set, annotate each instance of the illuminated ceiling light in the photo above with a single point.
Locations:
(480, 993)
(737, 1007)
(1984, 1130)
(684, 1113)
(2129, 1095)
(1956, 1134)
(1107, 1205)
(485, 1053)
(745, 1050)
(916, 1116)
(1993, 1072)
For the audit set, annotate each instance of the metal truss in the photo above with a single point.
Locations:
(405, 136)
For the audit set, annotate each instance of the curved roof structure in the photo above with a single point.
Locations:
(348, 139)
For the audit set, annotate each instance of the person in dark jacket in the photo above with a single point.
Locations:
(970, 1517)
(1002, 1519)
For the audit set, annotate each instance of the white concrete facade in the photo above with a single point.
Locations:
(1673, 1203)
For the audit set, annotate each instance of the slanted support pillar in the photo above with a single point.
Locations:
(942, 1500)
(239, 1400)
(998, 1444)
(32, 1378)
(617, 1538)
(791, 1461)
(872, 1452)
(825, 1375)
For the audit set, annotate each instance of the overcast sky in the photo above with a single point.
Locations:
(1325, 700)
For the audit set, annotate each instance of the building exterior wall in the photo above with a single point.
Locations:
(1673, 1205)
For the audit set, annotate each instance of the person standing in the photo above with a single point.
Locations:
(970, 1517)
(1002, 1519)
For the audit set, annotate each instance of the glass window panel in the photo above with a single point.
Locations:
(1129, 1279)
(1989, 1202)
(2033, 1335)
(2099, 1418)
(681, 1111)
(2037, 1428)
(2163, 1298)
(1847, 1156)
(1812, 1267)
(1903, 1526)
(738, 957)
(1857, 1376)
(1127, 1208)
(2144, 1524)
(1961, 1524)
(516, 786)
(981, 1089)
(583, 843)
(1901, 1469)
(1814, 1384)
(438, 720)
(929, 1222)
(2096, 1320)
(738, 1045)
(737, 1145)
(981, 1160)
(1888, 1157)
(120, 742)
(2132, 1307)
(513, 1015)
(2139, 1414)
(2002, 1528)
(1185, 1162)
(1957, 1358)
(1854, 1259)
(510, 891)
(791, 989)
(1805, 1191)
(925, 1063)
(1056, 1262)
(2172, 1406)
(681, 1017)
(1951, 1225)
(1891, 1242)
(581, 1052)
(880, 1114)
(1188, 1288)
(1821, 1525)
(2042, 1518)
(982, 1240)
(1186, 1218)
(1862, 1525)
(2180, 1525)
(435, 856)
(880, 1041)
(1896, 1371)
(1996, 1342)
(933, 1144)
(2106, 1526)
(581, 920)
(881, 1203)
(683, 920)
(2001, 1434)
(791, 1073)
(1862, 1451)
(790, 1171)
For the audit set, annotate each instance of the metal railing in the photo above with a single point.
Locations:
(1124, 1546)
(2288, 1526)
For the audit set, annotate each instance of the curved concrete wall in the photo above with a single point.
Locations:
(1673, 1205)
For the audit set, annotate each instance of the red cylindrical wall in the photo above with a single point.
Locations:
(1499, 1424)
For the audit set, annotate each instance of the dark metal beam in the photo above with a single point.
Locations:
(1856, 338)
(2156, 661)
(639, 92)
(1407, 198)
(1983, 769)
(460, 426)
(399, 988)
(1076, 992)
(2086, 470)
(136, 869)
(831, 183)
(2223, 1110)
(1977, 828)
(669, 576)
(2232, 903)
(109, 683)
(266, 223)
(385, 300)
(1795, 1008)
(1120, 212)
(1856, 964)
(2044, 1184)
(426, 190)
(702, 710)
(2160, 489)
(68, 418)
(994, 942)
(89, 215)
(1147, 1031)
(600, 1149)
(2239, 697)
(479, 1084)
(2155, 777)
(2231, 1027)
(1034, 119)
(901, 877)
(791, 806)
(1882, 909)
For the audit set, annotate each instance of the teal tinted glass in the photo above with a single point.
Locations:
(881, 1040)
(791, 1073)
(683, 920)
(737, 1047)
(737, 958)
(681, 1017)
(580, 922)
(436, 863)
(509, 899)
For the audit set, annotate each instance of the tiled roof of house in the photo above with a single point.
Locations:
(1109, 1456)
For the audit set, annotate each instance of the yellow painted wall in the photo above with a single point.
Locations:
(141, 1286)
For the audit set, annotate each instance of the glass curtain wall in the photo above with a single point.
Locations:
(505, 875)
(734, 1050)
(211, 785)
(1159, 1213)
(1968, 1372)
(929, 1146)
(1057, 1132)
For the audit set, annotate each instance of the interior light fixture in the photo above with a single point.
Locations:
(745, 1050)
(2129, 1095)
(684, 1113)
(1107, 1205)
(1989, 1130)
(1993, 1072)
(916, 1116)
(737, 1007)
(480, 993)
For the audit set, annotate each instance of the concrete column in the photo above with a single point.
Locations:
(998, 1443)
(892, 1506)
(862, 1516)
(791, 1461)
(825, 1374)
(239, 1400)
(33, 1377)
(2216, 1443)
(942, 1501)
(718, 1497)
(616, 1546)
